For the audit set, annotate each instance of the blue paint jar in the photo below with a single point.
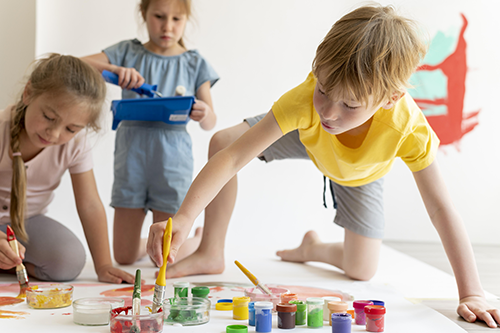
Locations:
(263, 317)
(251, 314)
(376, 302)
(341, 323)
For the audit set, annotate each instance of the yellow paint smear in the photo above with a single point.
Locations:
(4, 314)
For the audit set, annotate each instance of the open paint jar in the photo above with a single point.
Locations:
(49, 296)
(187, 311)
(122, 321)
(275, 297)
(94, 311)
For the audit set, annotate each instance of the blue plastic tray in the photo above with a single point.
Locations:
(170, 110)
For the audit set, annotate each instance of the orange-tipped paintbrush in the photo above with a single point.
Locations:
(22, 276)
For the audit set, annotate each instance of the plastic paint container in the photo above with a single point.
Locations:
(263, 317)
(341, 323)
(314, 312)
(187, 311)
(251, 314)
(326, 313)
(336, 307)
(224, 306)
(122, 321)
(49, 296)
(236, 329)
(301, 314)
(256, 296)
(94, 311)
(200, 292)
(359, 311)
(377, 302)
(181, 289)
(375, 318)
(287, 297)
(240, 308)
(286, 315)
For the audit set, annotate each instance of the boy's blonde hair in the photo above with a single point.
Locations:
(372, 51)
(186, 4)
(56, 74)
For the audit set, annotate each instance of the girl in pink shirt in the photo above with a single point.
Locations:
(41, 137)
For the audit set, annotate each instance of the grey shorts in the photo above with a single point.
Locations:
(153, 166)
(359, 209)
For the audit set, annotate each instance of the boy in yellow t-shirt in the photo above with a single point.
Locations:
(352, 118)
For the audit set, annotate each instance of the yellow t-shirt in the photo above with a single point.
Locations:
(401, 131)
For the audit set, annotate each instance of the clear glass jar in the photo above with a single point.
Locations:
(94, 311)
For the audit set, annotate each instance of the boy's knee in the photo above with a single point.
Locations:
(219, 141)
(361, 274)
(125, 258)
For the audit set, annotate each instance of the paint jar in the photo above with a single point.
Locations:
(240, 308)
(49, 296)
(287, 297)
(326, 299)
(286, 315)
(256, 296)
(181, 289)
(200, 292)
(314, 312)
(336, 307)
(301, 314)
(359, 311)
(187, 311)
(341, 323)
(224, 306)
(236, 329)
(94, 311)
(263, 317)
(377, 302)
(122, 321)
(375, 318)
(251, 314)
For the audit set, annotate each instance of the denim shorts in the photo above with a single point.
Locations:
(153, 166)
(359, 209)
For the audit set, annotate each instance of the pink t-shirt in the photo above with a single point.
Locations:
(44, 171)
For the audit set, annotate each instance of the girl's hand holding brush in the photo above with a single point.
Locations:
(8, 258)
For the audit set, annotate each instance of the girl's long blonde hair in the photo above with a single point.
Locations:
(56, 74)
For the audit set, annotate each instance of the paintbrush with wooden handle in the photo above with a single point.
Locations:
(22, 276)
(161, 280)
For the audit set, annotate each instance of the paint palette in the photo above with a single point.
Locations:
(170, 110)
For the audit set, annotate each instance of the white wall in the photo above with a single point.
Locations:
(17, 42)
(261, 49)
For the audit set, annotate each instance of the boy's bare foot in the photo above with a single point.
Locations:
(190, 245)
(300, 254)
(196, 264)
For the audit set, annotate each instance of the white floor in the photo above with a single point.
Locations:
(400, 278)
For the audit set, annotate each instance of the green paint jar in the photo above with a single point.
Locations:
(200, 292)
(181, 289)
(315, 312)
(301, 314)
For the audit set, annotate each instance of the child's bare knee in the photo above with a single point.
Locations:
(361, 274)
(219, 141)
(124, 258)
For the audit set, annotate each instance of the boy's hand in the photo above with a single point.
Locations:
(200, 111)
(111, 274)
(8, 258)
(475, 307)
(155, 241)
(128, 78)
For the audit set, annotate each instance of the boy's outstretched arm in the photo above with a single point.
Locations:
(216, 173)
(456, 243)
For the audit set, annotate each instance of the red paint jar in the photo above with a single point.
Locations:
(286, 315)
(375, 318)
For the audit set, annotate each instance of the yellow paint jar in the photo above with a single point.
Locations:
(49, 296)
(240, 308)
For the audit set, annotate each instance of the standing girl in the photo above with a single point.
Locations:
(153, 161)
(41, 137)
